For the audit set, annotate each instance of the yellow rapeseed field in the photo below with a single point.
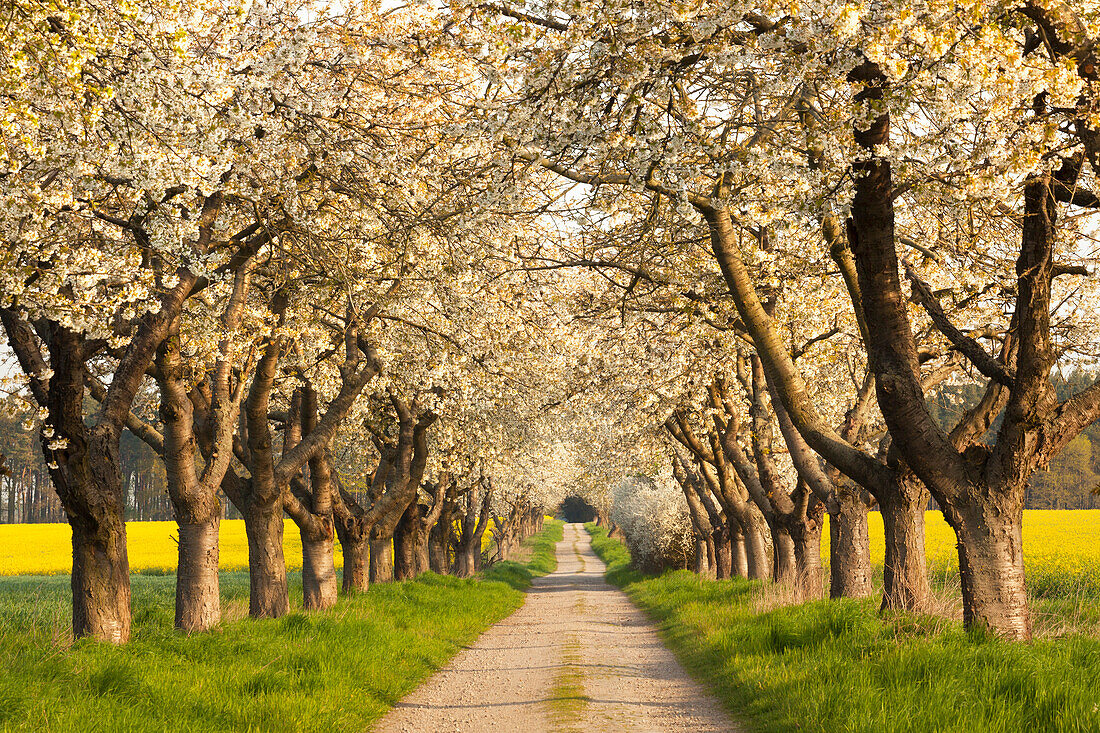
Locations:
(45, 549)
(1061, 548)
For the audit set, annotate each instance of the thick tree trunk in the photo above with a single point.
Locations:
(198, 600)
(991, 566)
(86, 475)
(810, 550)
(475, 521)
(704, 550)
(439, 559)
(723, 555)
(807, 549)
(194, 499)
(439, 550)
(739, 564)
(404, 543)
(849, 547)
(353, 536)
(712, 560)
(905, 568)
(101, 580)
(758, 562)
(312, 505)
(422, 563)
(506, 535)
(268, 594)
(466, 561)
(784, 559)
(381, 560)
(439, 537)
(318, 572)
(356, 575)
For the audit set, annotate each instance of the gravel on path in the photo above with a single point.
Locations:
(578, 656)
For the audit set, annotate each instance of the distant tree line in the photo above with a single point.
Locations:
(1072, 480)
(26, 495)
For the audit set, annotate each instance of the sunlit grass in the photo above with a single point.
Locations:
(330, 671)
(840, 666)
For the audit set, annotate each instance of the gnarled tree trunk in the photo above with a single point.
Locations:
(991, 567)
(204, 416)
(905, 568)
(353, 532)
(807, 547)
(440, 537)
(475, 521)
(269, 596)
(407, 459)
(849, 546)
(381, 559)
(739, 562)
(702, 529)
(404, 543)
(100, 579)
(723, 553)
(310, 504)
(318, 571)
(88, 480)
(353, 543)
(411, 539)
(198, 601)
(702, 559)
(785, 569)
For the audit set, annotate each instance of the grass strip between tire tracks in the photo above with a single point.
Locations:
(841, 666)
(335, 670)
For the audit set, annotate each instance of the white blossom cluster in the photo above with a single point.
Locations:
(654, 521)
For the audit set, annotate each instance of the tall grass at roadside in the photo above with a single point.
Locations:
(541, 558)
(840, 666)
(337, 670)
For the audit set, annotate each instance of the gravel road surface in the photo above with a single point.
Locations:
(578, 656)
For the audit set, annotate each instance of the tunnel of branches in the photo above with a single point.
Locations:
(576, 509)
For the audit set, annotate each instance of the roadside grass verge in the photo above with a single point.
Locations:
(339, 669)
(841, 666)
(542, 559)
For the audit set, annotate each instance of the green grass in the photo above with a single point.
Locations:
(333, 671)
(840, 666)
(542, 559)
(567, 702)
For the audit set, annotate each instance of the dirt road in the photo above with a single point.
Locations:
(578, 656)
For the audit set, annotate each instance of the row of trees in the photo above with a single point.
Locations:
(317, 262)
(240, 235)
(861, 203)
(1070, 481)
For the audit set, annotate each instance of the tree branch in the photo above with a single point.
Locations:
(967, 346)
